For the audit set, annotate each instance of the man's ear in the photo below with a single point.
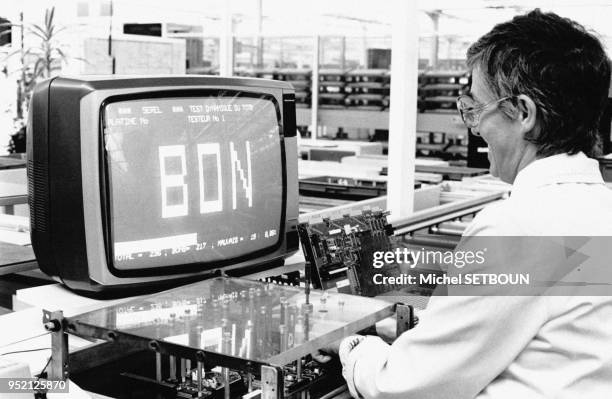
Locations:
(527, 113)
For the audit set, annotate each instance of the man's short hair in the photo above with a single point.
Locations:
(560, 66)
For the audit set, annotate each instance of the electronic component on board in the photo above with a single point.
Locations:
(340, 251)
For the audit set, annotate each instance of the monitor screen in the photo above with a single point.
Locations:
(192, 179)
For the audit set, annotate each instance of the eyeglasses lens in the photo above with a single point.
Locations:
(466, 108)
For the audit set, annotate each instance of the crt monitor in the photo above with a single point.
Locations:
(141, 182)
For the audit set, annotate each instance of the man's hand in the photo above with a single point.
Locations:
(347, 345)
(339, 348)
(328, 352)
(387, 329)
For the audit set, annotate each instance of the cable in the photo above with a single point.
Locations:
(33, 350)
(44, 368)
(23, 351)
(26, 339)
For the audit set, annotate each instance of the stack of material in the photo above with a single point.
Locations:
(438, 91)
(368, 89)
(332, 85)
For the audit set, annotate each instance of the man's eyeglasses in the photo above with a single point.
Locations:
(470, 110)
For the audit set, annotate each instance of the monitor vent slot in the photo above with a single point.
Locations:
(292, 240)
(289, 115)
(38, 193)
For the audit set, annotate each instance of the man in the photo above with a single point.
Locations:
(539, 83)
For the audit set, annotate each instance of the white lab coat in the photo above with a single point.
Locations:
(499, 347)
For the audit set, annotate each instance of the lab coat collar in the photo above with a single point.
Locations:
(558, 169)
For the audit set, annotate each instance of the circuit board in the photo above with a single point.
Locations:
(295, 380)
(340, 252)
